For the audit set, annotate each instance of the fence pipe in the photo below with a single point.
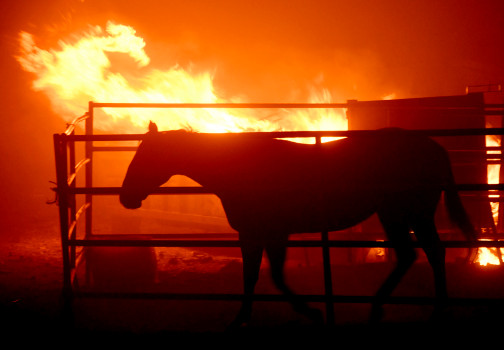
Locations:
(353, 104)
(304, 134)
(234, 243)
(201, 190)
(326, 258)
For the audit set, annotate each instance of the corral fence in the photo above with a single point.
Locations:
(74, 245)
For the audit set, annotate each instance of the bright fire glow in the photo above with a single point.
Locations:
(490, 256)
(493, 171)
(81, 71)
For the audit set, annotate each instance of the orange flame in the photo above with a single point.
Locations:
(493, 173)
(490, 256)
(82, 71)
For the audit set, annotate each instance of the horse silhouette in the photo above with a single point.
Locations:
(272, 188)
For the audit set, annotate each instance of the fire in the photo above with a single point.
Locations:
(490, 256)
(80, 70)
(493, 173)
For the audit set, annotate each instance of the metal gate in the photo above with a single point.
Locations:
(69, 169)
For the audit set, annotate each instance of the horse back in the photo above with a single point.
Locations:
(281, 184)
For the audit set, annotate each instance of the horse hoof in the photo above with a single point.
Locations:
(376, 315)
(240, 321)
(236, 325)
(316, 316)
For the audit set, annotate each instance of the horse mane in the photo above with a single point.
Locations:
(188, 128)
(184, 131)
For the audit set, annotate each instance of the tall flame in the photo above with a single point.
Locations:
(82, 71)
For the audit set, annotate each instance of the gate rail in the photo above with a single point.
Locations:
(68, 168)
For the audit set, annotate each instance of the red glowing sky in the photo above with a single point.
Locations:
(263, 50)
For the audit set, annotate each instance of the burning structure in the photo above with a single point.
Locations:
(475, 158)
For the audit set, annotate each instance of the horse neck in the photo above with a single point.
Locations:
(215, 160)
(198, 158)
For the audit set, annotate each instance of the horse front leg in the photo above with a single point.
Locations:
(276, 250)
(251, 256)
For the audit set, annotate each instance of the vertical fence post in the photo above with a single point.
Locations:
(60, 151)
(89, 170)
(328, 286)
(500, 216)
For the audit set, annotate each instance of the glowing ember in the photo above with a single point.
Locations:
(81, 71)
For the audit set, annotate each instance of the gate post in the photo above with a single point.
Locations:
(328, 285)
(89, 169)
(60, 151)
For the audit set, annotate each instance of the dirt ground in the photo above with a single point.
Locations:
(31, 302)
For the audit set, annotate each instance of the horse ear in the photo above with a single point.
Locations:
(153, 127)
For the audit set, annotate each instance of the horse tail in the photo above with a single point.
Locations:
(456, 211)
(458, 214)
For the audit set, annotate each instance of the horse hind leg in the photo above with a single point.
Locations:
(427, 235)
(276, 251)
(397, 232)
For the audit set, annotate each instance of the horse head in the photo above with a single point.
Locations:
(145, 172)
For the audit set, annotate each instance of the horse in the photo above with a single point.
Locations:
(272, 188)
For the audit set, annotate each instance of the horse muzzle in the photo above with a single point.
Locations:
(130, 202)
